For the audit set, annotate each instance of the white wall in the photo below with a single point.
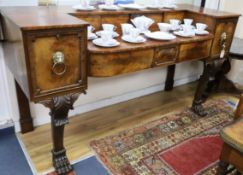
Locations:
(236, 6)
(4, 109)
(102, 91)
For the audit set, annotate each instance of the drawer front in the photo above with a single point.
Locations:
(227, 27)
(197, 50)
(120, 63)
(165, 56)
(50, 76)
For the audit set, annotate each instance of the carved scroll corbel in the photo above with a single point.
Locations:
(60, 107)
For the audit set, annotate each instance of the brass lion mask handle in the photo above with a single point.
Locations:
(223, 44)
(59, 67)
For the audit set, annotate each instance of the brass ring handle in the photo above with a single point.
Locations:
(59, 67)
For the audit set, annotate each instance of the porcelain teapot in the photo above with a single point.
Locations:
(142, 23)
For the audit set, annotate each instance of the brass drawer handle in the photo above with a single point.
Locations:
(59, 67)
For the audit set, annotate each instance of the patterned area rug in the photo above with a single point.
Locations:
(181, 143)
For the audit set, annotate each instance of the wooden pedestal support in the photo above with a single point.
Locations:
(213, 80)
(59, 109)
(26, 121)
(169, 83)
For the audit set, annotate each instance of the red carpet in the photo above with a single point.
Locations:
(197, 152)
(176, 144)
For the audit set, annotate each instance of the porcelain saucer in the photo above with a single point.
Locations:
(155, 6)
(132, 6)
(109, 7)
(160, 36)
(101, 43)
(183, 34)
(82, 8)
(137, 40)
(171, 6)
(114, 34)
(201, 32)
(92, 36)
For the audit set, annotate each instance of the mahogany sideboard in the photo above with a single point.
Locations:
(47, 51)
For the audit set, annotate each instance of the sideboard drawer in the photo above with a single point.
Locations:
(57, 61)
(119, 63)
(196, 50)
(164, 56)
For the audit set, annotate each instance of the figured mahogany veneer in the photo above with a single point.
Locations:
(34, 34)
(121, 59)
(47, 51)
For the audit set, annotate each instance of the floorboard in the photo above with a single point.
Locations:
(104, 122)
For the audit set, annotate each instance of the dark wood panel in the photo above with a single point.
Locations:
(196, 50)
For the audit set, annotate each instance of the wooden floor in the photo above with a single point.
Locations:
(104, 122)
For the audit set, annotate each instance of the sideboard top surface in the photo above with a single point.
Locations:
(41, 17)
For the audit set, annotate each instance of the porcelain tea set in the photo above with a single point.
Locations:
(138, 31)
(109, 5)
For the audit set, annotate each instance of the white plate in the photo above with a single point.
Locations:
(92, 36)
(101, 43)
(80, 7)
(199, 32)
(137, 40)
(160, 35)
(114, 34)
(183, 34)
(109, 7)
(155, 6)
(172, 6)
(132, 6)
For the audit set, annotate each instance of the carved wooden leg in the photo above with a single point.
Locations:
(169, 83)
(222, 169)
(60, 107)
(201, 89)
(223, 83)
(26, 122)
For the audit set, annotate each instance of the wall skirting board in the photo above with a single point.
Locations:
(6, 123)
(117, 99)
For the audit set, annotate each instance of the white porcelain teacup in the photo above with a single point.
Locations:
(175, 24)
(188, 21)
(109, 2)
(134, 33)
(85, 3)
(90, 29)
(126, 28)
(187, 29)
(109, 27)
(165, 27)
(155, 2)
(106, 36)
(201, 26)
(169, 2)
